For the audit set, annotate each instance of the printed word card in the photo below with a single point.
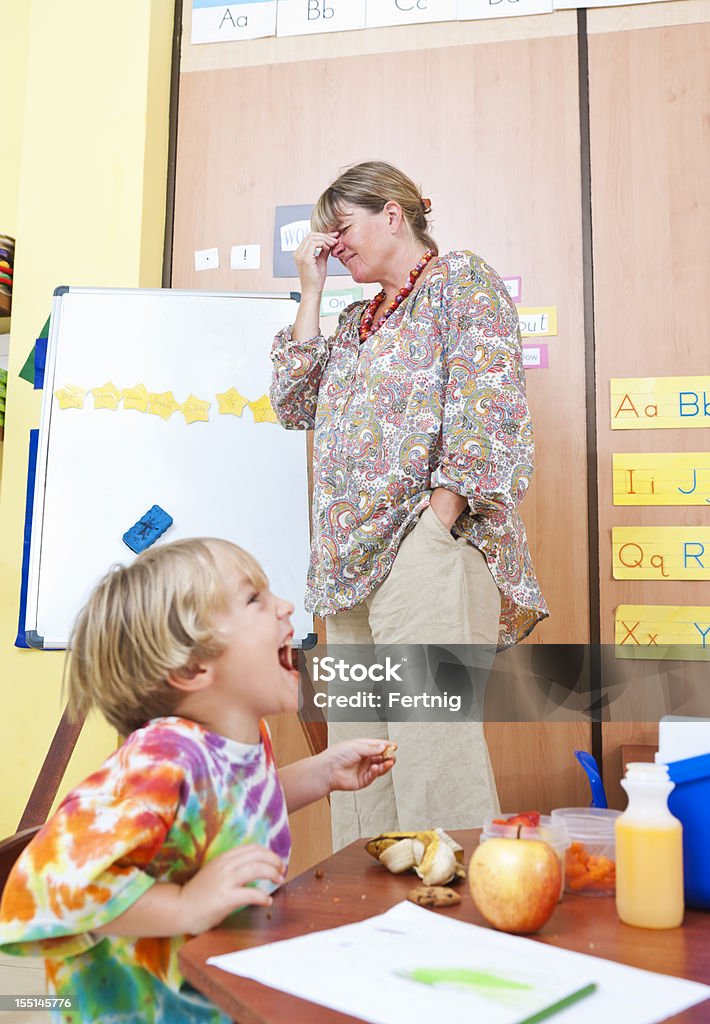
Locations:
(333, 303)
(538, 321)
(647, 631)
(648, 403)
(661, 552)
(514, 287)
(662, 478)
(535, 357)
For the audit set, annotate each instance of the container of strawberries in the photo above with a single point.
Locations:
(530, 825)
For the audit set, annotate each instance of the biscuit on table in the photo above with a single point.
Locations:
(433, 896)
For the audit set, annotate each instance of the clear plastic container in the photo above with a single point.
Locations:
(590, 861)
(552, 832)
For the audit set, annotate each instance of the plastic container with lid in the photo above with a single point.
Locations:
(552, 832)
(590, 861)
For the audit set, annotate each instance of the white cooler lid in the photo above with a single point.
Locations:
(680, 737)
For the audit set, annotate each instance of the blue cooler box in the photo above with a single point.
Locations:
(690, 802)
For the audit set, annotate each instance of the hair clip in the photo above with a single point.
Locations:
(426, 205)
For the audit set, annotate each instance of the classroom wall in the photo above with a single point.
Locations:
(83, 186)
(490, 128)
(651, 214)
(14, 37)
(489, 117)
(14, 28)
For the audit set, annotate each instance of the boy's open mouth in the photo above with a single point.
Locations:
(288, 657)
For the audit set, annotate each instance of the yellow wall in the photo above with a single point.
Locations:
(83, 188)
(14, 33)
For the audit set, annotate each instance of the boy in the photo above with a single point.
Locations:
(186, 650)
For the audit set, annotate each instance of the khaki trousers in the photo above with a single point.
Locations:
(439, 591)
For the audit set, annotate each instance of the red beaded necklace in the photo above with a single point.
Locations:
(366, 328)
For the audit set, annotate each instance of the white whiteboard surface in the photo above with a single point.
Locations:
(99, 470)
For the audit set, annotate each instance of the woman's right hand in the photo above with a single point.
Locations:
(222, 885)
(312, 260)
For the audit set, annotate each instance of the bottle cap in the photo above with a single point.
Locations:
(647, 770)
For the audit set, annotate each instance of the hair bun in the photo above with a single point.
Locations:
(426, 204)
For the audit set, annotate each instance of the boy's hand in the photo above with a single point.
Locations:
(354, 764)
(221, 886)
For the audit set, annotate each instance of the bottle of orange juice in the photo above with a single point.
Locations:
(649, 851)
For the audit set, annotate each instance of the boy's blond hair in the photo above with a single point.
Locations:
(147, 620)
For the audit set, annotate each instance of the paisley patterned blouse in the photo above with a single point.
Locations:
(171, 798)
(434, 398)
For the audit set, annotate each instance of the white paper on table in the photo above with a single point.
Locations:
(357, 969)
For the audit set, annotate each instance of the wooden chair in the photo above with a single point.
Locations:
(42, 796)
(10, 850)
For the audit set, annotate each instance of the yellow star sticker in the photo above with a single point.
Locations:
(232, 402)
(136, 397)
(194, 408)
(107, 397)
(262, 411)
(70, 396)
(163, 404)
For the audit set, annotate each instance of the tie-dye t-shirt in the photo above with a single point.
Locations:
(434, 398)
(170, 799)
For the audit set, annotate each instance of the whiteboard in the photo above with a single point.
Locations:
(99, 470)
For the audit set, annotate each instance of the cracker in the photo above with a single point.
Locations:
(434, 896)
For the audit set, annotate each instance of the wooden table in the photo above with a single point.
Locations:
(350, 886)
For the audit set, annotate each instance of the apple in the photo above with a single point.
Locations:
(515, 883)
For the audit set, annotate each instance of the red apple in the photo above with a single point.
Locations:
(515, 883)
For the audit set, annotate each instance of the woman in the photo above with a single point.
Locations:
(422, 450)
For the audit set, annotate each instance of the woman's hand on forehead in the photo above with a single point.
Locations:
(311, 258)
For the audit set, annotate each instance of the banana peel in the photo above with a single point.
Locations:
(433, 854)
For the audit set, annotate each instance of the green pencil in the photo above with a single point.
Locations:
(562, 1004)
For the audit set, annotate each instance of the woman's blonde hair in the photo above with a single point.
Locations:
(370, 185)
(147, 620)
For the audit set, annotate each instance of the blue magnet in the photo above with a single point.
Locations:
(148, 528)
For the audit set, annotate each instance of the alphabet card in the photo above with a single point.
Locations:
(409, 12)
(213, 21)
(565, 5)
(647, 403)
(470, 9)
(648, 631)
(303, 17)
(662, 478)
(661, 552)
